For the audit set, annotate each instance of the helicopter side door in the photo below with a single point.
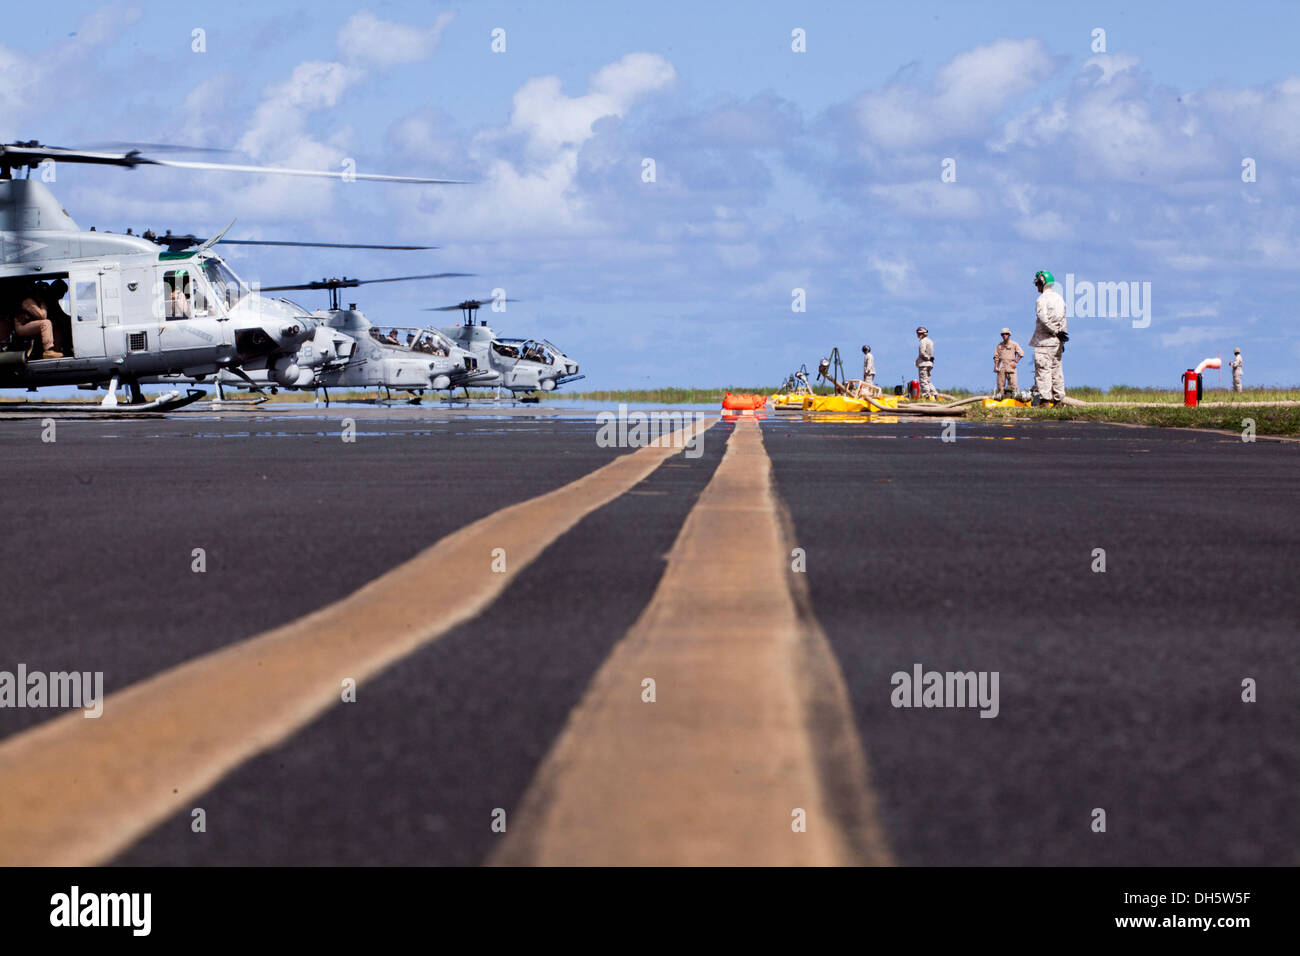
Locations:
(110, 302)
(87, 311)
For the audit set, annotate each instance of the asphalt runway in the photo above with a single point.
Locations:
(1118, 690)
(290, 517)
(411, 774)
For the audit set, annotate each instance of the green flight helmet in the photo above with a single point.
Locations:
(1047, 277)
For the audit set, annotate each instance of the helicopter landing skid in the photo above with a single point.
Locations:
(219, 403)
(167, 402)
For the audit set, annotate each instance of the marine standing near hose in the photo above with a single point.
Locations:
(868, 367)
(1049, 340)
(1235, 365)
(924, 361)
(1006, 356)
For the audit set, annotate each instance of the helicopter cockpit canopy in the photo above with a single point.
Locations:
(228, 287)
(432, 342)
(425, 341)
(293, 305)
(530, 350)
(200, 289)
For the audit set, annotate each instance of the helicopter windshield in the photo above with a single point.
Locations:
(425, 341)
(228, 287)
(535, 351)
(432, 342)
(295, 306)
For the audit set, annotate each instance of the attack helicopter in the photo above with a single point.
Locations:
(520, 365)
(348, 351)
(122, 311)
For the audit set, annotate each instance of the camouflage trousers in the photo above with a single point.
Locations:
(1049, 377)
(923, 376)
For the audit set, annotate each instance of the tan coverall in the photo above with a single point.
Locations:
(1049, 377)
(924, 363)
(868, 369)
(1005, 358)
(1235, 365)
(180, 305)
(30, 321)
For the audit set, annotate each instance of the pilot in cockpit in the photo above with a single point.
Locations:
(178, 297)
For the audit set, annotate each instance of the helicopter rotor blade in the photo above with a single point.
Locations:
(322, 245)
(314, 173)
(178, 243)
(15, 155)
(209, 243)
(157, 148)
(438, 275)
(346, 283)
(467, 304)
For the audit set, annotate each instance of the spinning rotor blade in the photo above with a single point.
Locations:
(321, 245)
(156, 148)
(346, 283)
(316, 173)
(15, 155)
(31, 154)
(177, 243)
(470, 304)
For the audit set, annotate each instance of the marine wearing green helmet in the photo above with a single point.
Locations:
(1049, 338)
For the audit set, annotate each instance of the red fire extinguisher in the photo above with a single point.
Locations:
(914, 389)
(1191, 388)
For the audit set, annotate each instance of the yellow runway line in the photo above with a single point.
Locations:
(75, 791)
(751, 722)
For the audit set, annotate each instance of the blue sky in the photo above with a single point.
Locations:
(775, 170)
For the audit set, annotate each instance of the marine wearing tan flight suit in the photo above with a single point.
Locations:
(1006, 356)
(924, 362)
(868, 367)
(1235, 365)
(31, 320)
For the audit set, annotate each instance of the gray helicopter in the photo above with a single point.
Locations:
(348, 351)
(520, 365)
(89, 308)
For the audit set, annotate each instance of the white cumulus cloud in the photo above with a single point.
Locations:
(553, 121)
(366, 39)
(968, 91)
(895, 274)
